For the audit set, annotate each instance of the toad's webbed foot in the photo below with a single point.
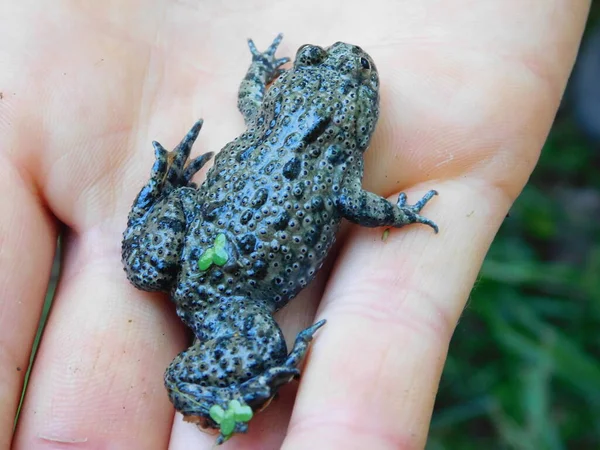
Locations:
(170, 171)
(370, 210)
(173, 167)
(202, 385)
(267, 60)
(263, 70)
(412, 211)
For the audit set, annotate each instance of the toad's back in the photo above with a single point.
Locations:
(271, 192)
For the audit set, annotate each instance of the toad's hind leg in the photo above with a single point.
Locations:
(242, 367)
(156, 224)
(263, 69)
(152, 244)
(260, 389)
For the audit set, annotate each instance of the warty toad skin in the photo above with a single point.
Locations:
(238, 248)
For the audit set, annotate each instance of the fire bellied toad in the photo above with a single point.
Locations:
(239, 247)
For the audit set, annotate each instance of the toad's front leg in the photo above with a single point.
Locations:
(263, 70)
(370, 210)
(157, 221)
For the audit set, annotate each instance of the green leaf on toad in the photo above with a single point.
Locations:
(220, 256)
(220, 241)
(216, 413)
(228, 423)
(206, 259)
(243, 414)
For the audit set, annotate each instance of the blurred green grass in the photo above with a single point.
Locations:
(53, 282)
(523, 370)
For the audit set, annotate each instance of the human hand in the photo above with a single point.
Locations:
(469, 90)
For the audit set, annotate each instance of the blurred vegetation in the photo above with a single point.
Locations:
(523, 370)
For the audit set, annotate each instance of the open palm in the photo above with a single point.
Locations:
(468, 92)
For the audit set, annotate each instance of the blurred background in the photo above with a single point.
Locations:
(523, 370)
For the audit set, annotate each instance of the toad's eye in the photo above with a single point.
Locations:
(365, 63)
(310, 55)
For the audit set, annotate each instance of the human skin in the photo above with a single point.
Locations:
(468, 94)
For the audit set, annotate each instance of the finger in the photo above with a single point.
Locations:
(27, 242)
(391, 309)
(97, 380)
(98, 375)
